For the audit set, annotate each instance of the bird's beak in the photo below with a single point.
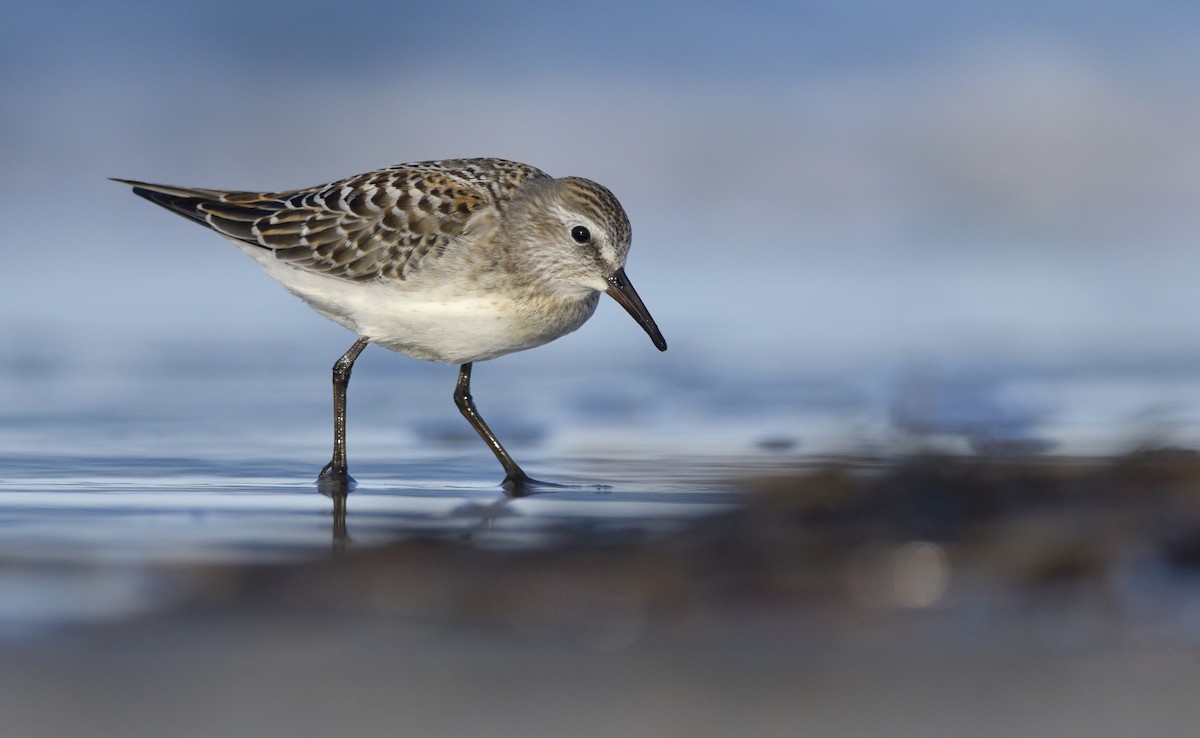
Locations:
(621, 290)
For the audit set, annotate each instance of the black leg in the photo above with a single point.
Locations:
(335, 477)
(516, 481)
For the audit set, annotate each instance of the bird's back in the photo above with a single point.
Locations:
(377, 225)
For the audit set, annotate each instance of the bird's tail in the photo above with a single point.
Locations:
(185, 201)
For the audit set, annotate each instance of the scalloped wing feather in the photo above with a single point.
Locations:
(378, 225)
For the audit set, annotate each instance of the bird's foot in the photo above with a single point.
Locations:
(520, 484)
(335, 480)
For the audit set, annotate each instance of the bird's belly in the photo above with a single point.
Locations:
(457, 331)
(447, 324)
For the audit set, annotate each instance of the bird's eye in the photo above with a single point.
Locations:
(581, 234)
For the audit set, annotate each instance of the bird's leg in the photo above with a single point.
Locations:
(516, 481)
(335, 477)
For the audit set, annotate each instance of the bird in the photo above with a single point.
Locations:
(455, 261)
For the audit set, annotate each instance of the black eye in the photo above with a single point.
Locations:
(581, 234)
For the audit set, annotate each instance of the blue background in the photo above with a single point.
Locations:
(875, 195)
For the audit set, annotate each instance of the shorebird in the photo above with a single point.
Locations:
(455, 261)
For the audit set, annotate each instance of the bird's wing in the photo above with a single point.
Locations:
(381, 224)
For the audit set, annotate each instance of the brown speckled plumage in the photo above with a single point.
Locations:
(378, 224)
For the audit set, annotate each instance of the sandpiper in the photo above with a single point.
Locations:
(453, 261)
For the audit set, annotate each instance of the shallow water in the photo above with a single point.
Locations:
(92, 538)
(110, 474)
(107, 482)
(161, 534)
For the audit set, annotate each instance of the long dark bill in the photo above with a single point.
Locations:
(621, 290)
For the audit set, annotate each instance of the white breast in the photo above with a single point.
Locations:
(446, 322)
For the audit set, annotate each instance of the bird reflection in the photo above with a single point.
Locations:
(473, 515)
(464, 521)
(340, 537)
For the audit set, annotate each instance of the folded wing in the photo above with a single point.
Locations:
(379, 225)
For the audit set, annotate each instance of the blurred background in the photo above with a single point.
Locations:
(959, 237)
(927, 215)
